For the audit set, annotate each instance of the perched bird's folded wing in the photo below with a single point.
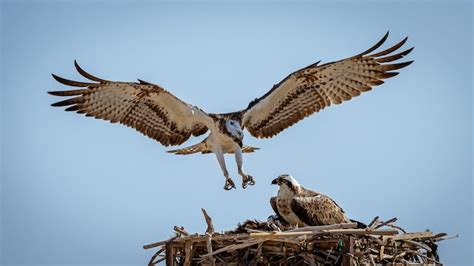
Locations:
(318, 210)
(313, 88)
(147, 107)
(275, 208)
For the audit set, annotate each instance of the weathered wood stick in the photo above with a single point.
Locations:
(439, 235)
(381, 253)
(156, 244)
(160, 260)
(414, 243)
(409, 236)
(447, 237)
(188, 249)
(151, 262)
(209, 248)
(324, 227)
(333, 231)
(235, 247)
(169, 253)
(281, 234)
(348, 258)
(259, 250)
(397, 227)
(215, 237)
(363, 232)
(371, 224)
(428, 258)
(394, 219)
(250, 230)
(371, 257)
(279, 241)
(399, 255)
(210, 226)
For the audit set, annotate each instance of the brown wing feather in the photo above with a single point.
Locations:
(275, 208)
(313, 88)
(318, 210)
(148, 108)
(300, 209)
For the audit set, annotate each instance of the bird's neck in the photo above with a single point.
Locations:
(233, 132)
(286, 192)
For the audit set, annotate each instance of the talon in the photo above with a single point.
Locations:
(250, 180)
(229, 184)
(244, 183)
(247, 180)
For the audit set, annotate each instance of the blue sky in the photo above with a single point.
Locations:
(76, 190)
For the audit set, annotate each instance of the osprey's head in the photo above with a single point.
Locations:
(234, 129)
(288, 185)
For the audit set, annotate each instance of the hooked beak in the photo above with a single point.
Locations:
(276, 181)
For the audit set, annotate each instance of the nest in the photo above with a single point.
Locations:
(269, 243)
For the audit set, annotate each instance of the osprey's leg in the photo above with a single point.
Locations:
(246, 179)
(229, 184)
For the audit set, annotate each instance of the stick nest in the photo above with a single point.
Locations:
(266, 243)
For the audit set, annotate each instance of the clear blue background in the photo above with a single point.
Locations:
(81, 191)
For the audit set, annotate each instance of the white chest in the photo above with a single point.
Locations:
(222, 141)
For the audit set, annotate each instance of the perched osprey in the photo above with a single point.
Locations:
(299, 206)
(160, 115)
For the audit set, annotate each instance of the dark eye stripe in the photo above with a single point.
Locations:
(288, 183)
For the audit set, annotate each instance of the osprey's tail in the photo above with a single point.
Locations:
(248, 149)
(359, 224)
(203, 148)
(200, 147)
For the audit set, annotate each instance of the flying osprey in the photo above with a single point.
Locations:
(299, 206)
(160, 115)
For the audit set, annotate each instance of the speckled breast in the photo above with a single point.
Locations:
(284, 208)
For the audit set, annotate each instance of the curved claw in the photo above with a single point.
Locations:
(229, 184)
(248, 180)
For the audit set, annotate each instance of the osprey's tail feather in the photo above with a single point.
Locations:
(248, 149)
(202, 148)
(360, 225)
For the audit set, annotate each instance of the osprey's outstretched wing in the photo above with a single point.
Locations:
(318, 210)
(147, 107)
(313, 88)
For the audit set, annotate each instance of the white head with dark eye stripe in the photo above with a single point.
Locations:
(288, 185)
(234, 128)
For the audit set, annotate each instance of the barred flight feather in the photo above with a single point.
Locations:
(315, 87)
(148, 108)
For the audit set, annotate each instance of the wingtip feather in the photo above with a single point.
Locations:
(374, 47)
(67, 102)
(70, 82)
(86, 74)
